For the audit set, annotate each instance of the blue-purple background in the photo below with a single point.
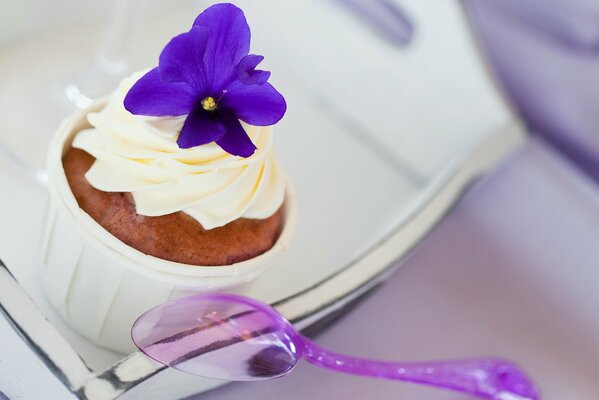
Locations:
(514, 269)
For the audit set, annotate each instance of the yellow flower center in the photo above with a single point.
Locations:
(209, 104)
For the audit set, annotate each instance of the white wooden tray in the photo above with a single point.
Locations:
(379, 140)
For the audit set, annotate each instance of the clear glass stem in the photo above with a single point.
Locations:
(110, 62)
(486, 377)
(106, 66)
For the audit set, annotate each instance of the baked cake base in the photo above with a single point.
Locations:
(175, 237)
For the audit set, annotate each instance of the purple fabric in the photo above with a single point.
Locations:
(547, 56)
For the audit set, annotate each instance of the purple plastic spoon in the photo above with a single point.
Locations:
(235, 338)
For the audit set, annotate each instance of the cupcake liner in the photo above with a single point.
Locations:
(98, 284)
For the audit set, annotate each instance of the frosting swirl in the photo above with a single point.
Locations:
(140, 155)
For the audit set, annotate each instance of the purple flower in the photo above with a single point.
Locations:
(209, 75)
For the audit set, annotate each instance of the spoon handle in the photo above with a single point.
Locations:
(487, 378)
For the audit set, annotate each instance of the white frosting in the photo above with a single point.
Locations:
(140, 155)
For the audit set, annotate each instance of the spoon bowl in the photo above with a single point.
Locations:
(219, 336)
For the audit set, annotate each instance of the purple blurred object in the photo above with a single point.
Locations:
(384, 17)
(546, 53)
(232, 337)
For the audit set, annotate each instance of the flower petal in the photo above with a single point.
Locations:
(236, 141)
(248, 73)
(228, 43)
(259, 105)
(200, 128)
(153, 97)
(182, 60)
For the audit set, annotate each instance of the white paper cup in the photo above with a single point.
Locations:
(100, 285)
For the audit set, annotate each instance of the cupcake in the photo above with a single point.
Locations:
(168, 187)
